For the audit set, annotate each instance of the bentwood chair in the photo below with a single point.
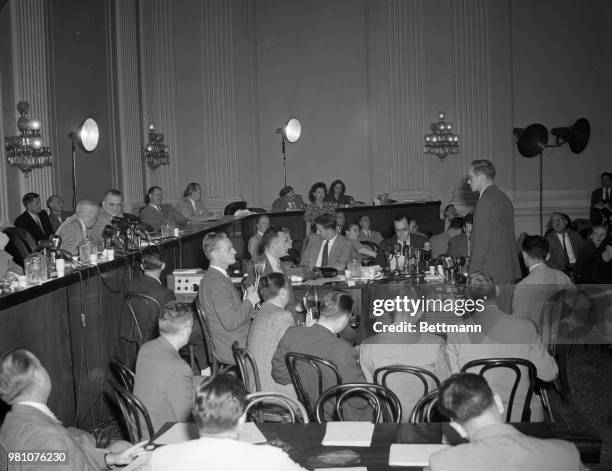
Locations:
(144, 312)
(20, 245)
(231, 208)
(301, 367)
(247, 367)
(216, 365)
(123, 374)
(132, 411)
(386, 405)
(426, 411)
(513, 365)
(283, 404)
(402, 374)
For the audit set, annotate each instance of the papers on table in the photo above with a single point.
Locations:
(412, 454)
(178, 433)
(348, 434)
(355, 468)
(250, 433)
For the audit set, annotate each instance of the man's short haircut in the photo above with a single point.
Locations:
(598, 226)
(112, 192)
(151, 261)
(285, 191)
(401, 217)
(191, 188)
(17, 369)
(326, 221)
(270, 285)
(468, 219)
(51, 198)
(336, 303)
(536, 246)
(150, 191)
(483, 166)
(456, 223)
(175, 316)
(28, 198)
(84, 206)
(219, 403)
(210, 241)
(606, 174)
(271, 234)
(464, 396)
(481, 285)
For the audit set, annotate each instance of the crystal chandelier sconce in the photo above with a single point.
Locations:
(26, 151)
(442, 141)
(155, 153)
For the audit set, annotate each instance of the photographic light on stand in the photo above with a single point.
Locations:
(290, 132)
(86, 136)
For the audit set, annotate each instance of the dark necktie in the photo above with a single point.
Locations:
(325, 255)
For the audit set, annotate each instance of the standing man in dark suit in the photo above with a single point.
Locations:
(493, 245)
(322, 341)
(57, 215)
(402, 236)
(228, 316)
(327, 248)
(564, 244)
(30, 425)
(601, 200)
(34, 219)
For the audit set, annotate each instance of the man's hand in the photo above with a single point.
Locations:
(127, 456)
(252, 295)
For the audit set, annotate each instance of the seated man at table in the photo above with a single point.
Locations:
(439, 242)
(460, 245)
(57, 215)
(564, 244)
(327, 248)
(477, 414)
(112, 206)
(219, 413)
(254, 245)
(191, 207)
(423, 350)
(366, 233)
(164, 382)
(228, 316)
(155, 213)
(78, 226)
(500, 335)
(535, 289)
(402, 237)
(322, 341)
(34, 219)
(30, 425)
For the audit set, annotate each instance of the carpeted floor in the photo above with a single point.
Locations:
(590, 377)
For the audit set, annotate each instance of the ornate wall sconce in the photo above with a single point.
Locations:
(155, 153)
(26, 151)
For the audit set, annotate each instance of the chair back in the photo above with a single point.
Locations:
(301, 361)
(278, 399)
(132, 411)
(512, 364)
(123, 374)
(403, 374)
(20, 245)
(425, 410)
(215, 365)
(386, 405)
(247, 367)
(144, 311)
(231, 208)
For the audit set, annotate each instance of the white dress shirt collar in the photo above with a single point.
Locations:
(329, 247)
(568, 245)
(536, 265)
(41, 407)
(274, 262)
(193, 203)
(155, 207)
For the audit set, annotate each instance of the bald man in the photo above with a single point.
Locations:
(78, 226)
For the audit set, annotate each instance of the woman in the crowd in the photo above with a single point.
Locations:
(450, 212)
(317, 206)
(191, 206)
(337, 194)
(268, 328)
(155, 212)
(352, 234)
(287, 200)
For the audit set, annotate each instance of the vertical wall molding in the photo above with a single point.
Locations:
(31, 79)
(219, 102)
(159, 89)
(126, 100)
(409, 166)
(471, 70)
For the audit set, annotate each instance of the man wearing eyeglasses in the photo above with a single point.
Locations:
(402, 237)
(493, 248)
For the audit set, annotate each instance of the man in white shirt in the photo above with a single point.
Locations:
(541, 283)
(254, 245)
(476, 413)
(30, 425)
(219, 413)
(402, 237)
(112, 206)
(78, 226)
(564, 244)
(366, 233)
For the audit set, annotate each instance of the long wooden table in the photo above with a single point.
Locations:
(72, 323)
(305, 440)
